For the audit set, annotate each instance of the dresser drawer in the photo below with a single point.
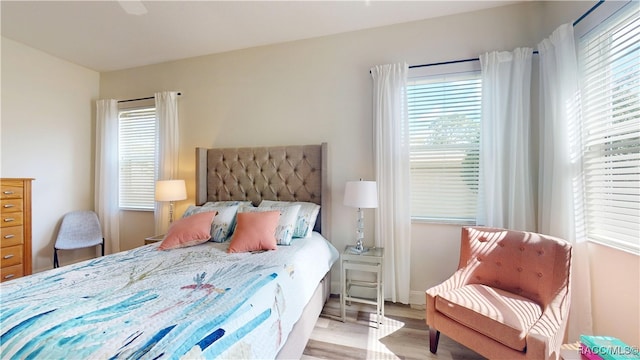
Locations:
(10, 205)
(11, 255)
(11, 219)
(15, 227)
(11, 190)
(10, 236)
(11, 272)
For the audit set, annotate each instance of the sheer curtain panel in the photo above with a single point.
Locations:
(393, 217)
(560, 182)
(106, 173)
(506, 174)
(166, 151)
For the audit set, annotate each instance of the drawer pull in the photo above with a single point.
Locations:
(8, 192)
(9, 276)
(9, 236)
(7, 206)
(8, 256)
(9, 219)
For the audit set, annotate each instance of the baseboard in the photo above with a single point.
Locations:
(63, 263)
(417, 299)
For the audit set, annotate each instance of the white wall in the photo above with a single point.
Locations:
(47, 134)
(615, 288)
(320, 90)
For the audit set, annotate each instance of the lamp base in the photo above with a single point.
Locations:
(355, 250)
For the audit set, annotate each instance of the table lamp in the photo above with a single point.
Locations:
(361, 195)
(171, 191)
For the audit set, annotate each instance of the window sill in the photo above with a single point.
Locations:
(619, 247)
(460, 222)
(134, 209)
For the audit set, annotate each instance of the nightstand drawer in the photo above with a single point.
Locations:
(350, 265)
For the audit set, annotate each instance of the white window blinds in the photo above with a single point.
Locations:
(610, 64)
(444, 125)
(137, 151)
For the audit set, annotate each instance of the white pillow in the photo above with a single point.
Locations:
(286, 224)
(224, 222)
(228, 203)
(307, 215)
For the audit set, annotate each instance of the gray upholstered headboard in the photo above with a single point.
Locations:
(282, 173)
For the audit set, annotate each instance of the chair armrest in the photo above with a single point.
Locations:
(457, 280)
(547, 334)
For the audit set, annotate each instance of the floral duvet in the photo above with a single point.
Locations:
(196, 302)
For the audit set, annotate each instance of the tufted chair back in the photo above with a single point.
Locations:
(528, 264)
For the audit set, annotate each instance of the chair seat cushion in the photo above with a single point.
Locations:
(498, 314)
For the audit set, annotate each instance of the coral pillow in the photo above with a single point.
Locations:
(255, 231)
(223, 223)
(286, 224)
(189, 231)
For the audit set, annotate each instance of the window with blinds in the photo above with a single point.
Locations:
(609, 57)
(444, 127)
(137, 157)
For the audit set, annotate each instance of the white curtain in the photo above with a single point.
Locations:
(107, 173)
(560, 166)
(507, 180)
(393, 217)
(167, 150)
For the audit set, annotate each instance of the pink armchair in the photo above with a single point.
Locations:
(509, 298)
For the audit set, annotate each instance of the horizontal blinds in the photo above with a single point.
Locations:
(610, 65)
(137, 158)
(444, 125)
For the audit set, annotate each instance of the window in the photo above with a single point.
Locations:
(609, 57)
(137, 158)
(444, 130)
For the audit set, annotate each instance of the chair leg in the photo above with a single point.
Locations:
(55, 258)
(434, 337)
(102, 246)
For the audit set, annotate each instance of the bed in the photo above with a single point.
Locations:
(189, 302)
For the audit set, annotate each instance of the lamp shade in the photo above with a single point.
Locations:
(361, 194)
(170, 190)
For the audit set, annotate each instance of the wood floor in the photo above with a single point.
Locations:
(403, 335)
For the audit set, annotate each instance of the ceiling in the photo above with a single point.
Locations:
(108, 35)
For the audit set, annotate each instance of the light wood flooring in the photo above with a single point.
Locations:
(403, 335)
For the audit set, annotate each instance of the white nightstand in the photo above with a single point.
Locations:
(153, 239)
(370, 261)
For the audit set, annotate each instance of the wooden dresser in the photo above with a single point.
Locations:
(15, 229)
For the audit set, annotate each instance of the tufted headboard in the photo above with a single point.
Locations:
(280, 173)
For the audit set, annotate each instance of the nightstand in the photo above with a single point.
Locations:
(370, 261)
(153, 239)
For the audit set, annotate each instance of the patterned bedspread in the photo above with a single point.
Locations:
(196, 302)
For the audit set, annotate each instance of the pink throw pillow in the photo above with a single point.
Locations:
(255, 231)
(189, 231)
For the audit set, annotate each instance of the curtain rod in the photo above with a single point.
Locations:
(140, 99)
(600, 2)
(535, 52)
